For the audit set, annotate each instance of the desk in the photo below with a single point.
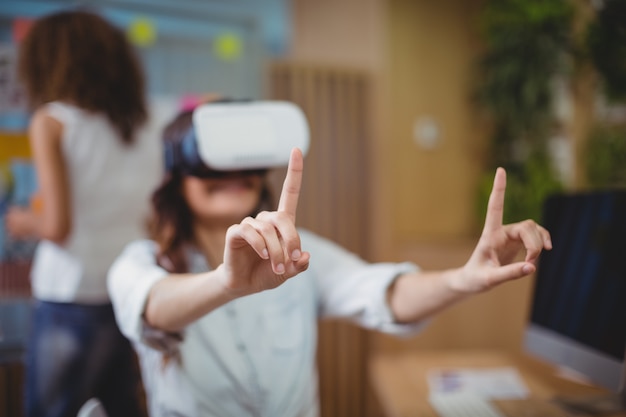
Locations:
(399, 381)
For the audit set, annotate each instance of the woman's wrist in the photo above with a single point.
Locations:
(461, 282)
(225, 292)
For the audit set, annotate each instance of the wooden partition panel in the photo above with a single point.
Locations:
(333, 204)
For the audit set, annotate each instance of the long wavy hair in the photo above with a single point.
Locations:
(78, 57)
(171, 223)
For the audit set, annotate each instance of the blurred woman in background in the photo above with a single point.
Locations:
(97, 163)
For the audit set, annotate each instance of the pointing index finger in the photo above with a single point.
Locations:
(495, 207)
(288, 202)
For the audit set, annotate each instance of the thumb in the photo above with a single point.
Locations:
(510, 272)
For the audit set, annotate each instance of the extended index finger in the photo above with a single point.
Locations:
(288, 202)
(495, 207)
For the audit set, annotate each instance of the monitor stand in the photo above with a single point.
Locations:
(599, 404)
(595, 405)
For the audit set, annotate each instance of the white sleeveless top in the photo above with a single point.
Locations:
(110, 186)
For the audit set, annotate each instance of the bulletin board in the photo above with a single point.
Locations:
(17, 174)
(17, 182)
(13, 145)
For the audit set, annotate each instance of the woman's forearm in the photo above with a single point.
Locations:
(416, 296)
(178, 300)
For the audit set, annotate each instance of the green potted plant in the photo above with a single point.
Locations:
(606, 44)
(528, 45)
(605, 156)
(605, 149)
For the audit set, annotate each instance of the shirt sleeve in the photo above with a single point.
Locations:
(129, 281)
(350, 288)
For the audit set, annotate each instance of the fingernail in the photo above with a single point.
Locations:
(265, 254)
(295, 255)
(280, 269)
(527, 269)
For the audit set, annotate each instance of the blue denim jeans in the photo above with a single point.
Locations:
(76, 352)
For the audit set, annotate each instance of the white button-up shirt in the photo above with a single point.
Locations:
(254, 356)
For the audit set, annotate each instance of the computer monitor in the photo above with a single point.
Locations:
(578, 310)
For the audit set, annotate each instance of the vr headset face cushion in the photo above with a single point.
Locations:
(182, 157)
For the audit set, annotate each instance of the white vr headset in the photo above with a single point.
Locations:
(239, 135)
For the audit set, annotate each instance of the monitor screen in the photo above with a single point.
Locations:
(578, 308)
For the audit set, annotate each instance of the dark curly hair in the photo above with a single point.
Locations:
(78, 57)
(171, 223)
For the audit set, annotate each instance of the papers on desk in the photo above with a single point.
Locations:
(492, 383)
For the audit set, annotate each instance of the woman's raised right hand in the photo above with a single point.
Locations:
(263, 252)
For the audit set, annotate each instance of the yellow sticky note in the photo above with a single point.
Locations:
(142, 32)
(227, 46)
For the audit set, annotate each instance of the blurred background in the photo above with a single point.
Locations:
(412, 105)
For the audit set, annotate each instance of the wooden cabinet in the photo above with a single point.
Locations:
(334, 204)
(11, 388)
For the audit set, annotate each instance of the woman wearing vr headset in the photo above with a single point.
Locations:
(222, 304)
(96, 165)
